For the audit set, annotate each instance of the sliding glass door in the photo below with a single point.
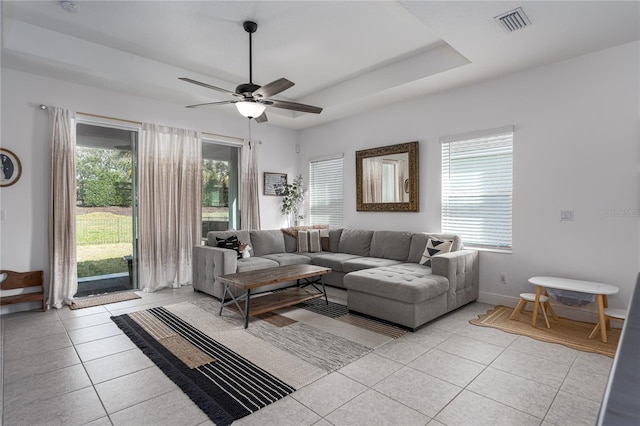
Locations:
(106, 213)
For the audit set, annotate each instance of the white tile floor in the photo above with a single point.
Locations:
(76, 367)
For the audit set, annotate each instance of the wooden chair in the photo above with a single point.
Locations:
(531, 297)
(609, 314)
(17, 280)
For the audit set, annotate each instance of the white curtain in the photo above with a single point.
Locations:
(63, 281)
(372, 175)
(170, 164)
(250, 194)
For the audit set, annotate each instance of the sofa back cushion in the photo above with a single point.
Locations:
(267, 242)
(355, 241)
(242, 236)
(419, 242)
(391, 245)
(334, 239)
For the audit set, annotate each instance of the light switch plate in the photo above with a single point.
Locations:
(566, 215)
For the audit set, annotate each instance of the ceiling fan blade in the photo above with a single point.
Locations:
(273, 88)
(208, 86)
(294, 106)
(261, 118)
(211, 104)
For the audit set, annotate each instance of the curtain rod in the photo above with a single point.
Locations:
(45, 107)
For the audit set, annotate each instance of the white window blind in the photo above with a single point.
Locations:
(477, 183)
(326, 191)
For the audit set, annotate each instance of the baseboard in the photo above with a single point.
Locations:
(588, 313)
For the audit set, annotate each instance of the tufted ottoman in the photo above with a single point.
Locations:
(407, 294)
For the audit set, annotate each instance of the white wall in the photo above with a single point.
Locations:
(575, 148)
(25, 132)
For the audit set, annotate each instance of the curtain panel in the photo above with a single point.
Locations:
(63, 281)
(170, 168)
(250, 194)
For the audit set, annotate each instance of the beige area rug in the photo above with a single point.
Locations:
(104, 299)
(230, 371)
(574, 334)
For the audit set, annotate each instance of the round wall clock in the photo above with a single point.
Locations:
(11, 168)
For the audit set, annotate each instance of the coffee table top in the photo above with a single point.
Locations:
(278, 274)
(574, 285)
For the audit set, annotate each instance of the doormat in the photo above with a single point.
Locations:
(105, 299)
(570, 333)
(231, 372)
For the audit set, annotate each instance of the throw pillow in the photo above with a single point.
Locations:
(324, 240)
(230, 243)
(434, 247)
(314, 241)
(303, 242)
(309, 241)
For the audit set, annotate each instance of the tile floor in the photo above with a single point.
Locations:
(76, 367)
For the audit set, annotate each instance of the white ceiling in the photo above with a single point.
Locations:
(343, 56)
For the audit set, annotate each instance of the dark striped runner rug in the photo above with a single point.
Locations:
(223, 384)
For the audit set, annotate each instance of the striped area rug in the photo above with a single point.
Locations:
(231, 372)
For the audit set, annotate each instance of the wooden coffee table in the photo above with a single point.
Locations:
(293, 295)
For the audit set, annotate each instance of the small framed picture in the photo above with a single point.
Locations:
(11, 168)
(273, 181)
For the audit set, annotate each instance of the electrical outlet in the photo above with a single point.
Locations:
(503, 278)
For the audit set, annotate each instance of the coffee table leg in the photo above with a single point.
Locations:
(324, 290)
(224, 295)
(246, 308)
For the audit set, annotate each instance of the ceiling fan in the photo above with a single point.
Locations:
(253, 99)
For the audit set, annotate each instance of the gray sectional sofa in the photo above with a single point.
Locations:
(380, 270)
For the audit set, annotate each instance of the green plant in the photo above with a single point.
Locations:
(292, 197)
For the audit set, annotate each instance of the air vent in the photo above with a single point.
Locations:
(513, 20)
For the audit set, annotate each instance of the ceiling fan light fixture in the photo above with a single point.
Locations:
(250, 109)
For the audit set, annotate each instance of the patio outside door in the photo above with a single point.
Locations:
(106, 210)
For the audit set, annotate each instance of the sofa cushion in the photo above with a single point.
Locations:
(419, 242)
(434, 247)
(242, 236)
(355, 241)
(366, 263)
(391, 245)
(254, 263)
(405, 282)
(284, 259)
(332, 260)
(267, 242)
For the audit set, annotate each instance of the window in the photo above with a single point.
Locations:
(477, 182)
(220, 182)
(326, 191)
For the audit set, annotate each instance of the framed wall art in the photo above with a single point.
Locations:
(272, 181)
(11, 168)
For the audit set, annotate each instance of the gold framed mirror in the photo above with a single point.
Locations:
(387, 178)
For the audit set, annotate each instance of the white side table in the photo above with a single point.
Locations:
(600, 290)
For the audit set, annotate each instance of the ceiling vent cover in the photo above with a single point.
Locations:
(513, 20)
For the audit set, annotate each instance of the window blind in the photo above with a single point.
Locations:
(477, 184)
(326, 191)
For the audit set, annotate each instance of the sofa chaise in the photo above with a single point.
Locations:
(381, 270)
